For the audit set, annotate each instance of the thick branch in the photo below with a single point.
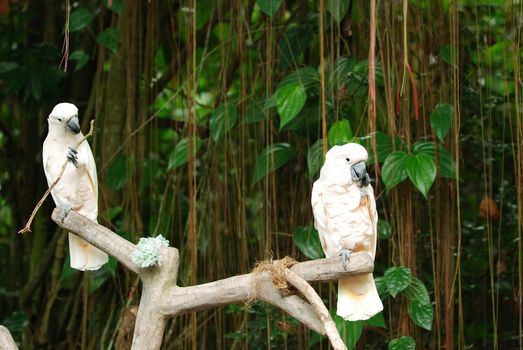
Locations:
(246, 287)
(99, 236)
(6, 341)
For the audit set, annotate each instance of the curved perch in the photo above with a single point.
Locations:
(162, 299)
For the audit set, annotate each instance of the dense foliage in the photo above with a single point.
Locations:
(212, 118)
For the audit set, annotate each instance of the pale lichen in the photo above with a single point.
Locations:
(147, 251)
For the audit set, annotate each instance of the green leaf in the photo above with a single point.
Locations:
(397, 279)
(422, 314)
(290, 100)
(109, 38)
(80, 18)
(384, 229)
(255, 112)
(111, 266)
(441, 119)
(384, 146)
(417, 291)
(350, 331)
(445, 163)
(377, 320)
(421, 170)
(67, 270)
(180, 154)
(315, 159)
(80, 57)
(222, 120)
(293, 43)
(306, 76)
(308, 242)
(118, 173)
(98, 278)
(116, 5)
(16, 322)
(338, 8)
(403, 343)
(269, 7)
(270, 159)
(394, 169)
(381, 286)
(340, 133)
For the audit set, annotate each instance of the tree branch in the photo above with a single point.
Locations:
(6, 340)
(162, 298)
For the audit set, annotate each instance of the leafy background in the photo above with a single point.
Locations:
(212, 119)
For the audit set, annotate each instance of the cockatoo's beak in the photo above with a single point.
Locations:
(359, 173)
(73, 125)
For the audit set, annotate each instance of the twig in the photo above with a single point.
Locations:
(323, 314)
(27, 227)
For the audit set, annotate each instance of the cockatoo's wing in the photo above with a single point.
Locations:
(320, 215)
(86, 155)
(373, 214)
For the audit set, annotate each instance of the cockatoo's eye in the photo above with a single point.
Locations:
(59, 119)
(347, 159)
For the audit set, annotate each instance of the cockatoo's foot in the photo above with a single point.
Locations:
(66, 208)
(345, 257)
(72, 156)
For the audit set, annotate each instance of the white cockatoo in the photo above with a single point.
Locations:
(345, 216)
(78, 188)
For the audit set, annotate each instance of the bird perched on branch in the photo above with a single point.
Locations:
(77, 189)
(346, 219)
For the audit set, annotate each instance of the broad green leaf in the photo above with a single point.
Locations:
(16, 322)
(441, 119)
(381, 286)
(270, 159)
(394, 169)
(67, 270)
(306, 76)
(385, 145)
(377, 320)
(350, 331)
(384, 229)
(109, 38)
(98, 278)
(255, 112)
(180, 154)
(118, 172)
(340, 133)
(445, 163)
(6, 67)
(111, 266)
(422, 314)
(403, 343)
(397, 279)
(315, 159)
(222, 120)
(417, 291)
(80, 57)
(339, 72)
(308, 242)
(269, 7)
(115, 5)
(80, 18)
(293, 43)
(290, 99)
(421, 170)
(338, 8)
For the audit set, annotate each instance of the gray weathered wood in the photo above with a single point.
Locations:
(162, 298)
(6, 341)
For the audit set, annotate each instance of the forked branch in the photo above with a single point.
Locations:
(162, 299)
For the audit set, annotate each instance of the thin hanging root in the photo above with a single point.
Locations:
(414, 90)
(27, 227)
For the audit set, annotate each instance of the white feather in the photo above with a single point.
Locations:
(346, 218)
(78, 187)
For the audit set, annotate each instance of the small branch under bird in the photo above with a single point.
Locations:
(78, 187)
(345, 216)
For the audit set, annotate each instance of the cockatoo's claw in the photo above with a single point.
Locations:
(345, 257)
(72, 156)
(66, 208)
